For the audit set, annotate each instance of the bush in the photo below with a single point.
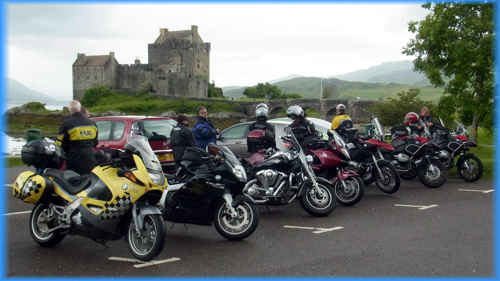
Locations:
(392, 111)
(93, 96)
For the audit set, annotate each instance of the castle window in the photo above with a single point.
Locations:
(198, 65)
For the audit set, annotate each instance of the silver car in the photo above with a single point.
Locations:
(235, 137)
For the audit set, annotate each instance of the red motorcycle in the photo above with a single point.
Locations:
(368, 150)
(332, 160)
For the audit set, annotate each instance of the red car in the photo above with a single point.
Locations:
(114, 131)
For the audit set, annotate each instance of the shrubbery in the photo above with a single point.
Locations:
(143, 103)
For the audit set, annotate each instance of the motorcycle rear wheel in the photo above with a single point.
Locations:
(150, 241)
(432, 178)
(470, 174)
(42, 219)
(240, 227)
(319, 205)
(354, 192)
(391, 181)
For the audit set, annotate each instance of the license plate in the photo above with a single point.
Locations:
(166, 157)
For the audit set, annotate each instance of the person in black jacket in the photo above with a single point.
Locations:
(302, 128)
(266, 141)
(78, 137)
(181, 137)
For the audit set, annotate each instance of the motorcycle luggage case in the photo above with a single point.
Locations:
(41, 154)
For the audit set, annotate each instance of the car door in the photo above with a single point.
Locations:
(235, 138)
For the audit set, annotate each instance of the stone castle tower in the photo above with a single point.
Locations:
(178, 65)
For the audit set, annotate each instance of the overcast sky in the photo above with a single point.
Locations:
(250, 43)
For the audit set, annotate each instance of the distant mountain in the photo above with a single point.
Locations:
(374, 83)
(17, 93)
(389, 72)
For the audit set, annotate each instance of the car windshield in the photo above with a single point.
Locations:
(142, 146)
(319, 124)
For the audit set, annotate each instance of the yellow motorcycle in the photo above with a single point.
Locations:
(118, 198)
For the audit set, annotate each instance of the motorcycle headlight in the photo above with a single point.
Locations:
(309, 159)
(158, 179)
(240, 173)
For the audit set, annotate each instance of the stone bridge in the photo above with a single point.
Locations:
(357, 110)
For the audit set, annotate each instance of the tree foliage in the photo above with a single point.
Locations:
(268, 91)
(392, 111)
(93, 95)
(453, 46)
(214, 92)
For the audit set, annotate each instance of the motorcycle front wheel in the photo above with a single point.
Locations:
(242, 225)
(389, 181)
(149, 241)
(318, 203)
(351, 193)
(433, 174)
(469, 167)
(42, 219)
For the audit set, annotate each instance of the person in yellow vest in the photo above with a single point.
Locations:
(340, 117)
(78, 137)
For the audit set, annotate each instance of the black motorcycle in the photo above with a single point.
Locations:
(283, 176)
(456, 144)
(416, 156)
(209, 190)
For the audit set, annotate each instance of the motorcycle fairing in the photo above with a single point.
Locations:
(381, 144)
(327, 158)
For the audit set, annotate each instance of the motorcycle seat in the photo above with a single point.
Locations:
(69, 180)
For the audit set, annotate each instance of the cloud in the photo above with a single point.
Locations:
(250, 43)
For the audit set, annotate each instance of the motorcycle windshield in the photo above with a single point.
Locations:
(378, 127)
(140, 145)
(229, 156)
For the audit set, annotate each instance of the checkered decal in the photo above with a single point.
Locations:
(23, 193)
(116, 208)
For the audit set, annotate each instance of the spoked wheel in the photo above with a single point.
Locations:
(433, 174)
(319, 203)
(42, 219)
(237, 226)
(389, 181)
(469, 167)
(148, 242)
(351, 193)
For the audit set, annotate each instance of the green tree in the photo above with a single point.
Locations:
(214, 92)
(268, 91)
(93, 95)
(453, 46)
(392, 111)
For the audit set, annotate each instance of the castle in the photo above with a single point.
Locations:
(178, 66)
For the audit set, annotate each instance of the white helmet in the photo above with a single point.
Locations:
(294, 111)
(261, 110)
(340, 107)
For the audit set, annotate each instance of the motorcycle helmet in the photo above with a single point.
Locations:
(340, 108)
(411, 118)
(294, 111)
(261, 110)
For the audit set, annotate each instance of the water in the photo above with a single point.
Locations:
(12, 145)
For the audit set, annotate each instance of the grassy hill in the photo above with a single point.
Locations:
(374, 83)
(309, 87)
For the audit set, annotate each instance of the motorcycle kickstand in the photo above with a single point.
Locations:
(102, 242)
(268, 209)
